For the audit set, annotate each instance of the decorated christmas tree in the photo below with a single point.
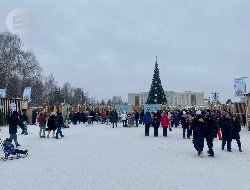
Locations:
(156, 94)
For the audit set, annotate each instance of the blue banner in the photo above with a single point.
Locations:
(27, 94)
(152, 107)
(3, 93)
(123, 108)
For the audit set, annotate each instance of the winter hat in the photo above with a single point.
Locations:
(198, 112)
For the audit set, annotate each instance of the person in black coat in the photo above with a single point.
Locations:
(51, 125)
(59, 124)
(227, 130)
(198, 127)
(159, 112)
(34, 116)
(156, 125)
(79, 117)
(23, 123)
(92, 113)
(114, 117)
(141, 121)
(137, 116)
(83, 117)
(210, 128)
(236, 131)
(13, 122)
(74, 117)
(184, 123)
(244, 120)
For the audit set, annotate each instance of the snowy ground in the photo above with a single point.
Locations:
(100, 157)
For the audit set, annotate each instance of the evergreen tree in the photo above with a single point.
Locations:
(156, 94)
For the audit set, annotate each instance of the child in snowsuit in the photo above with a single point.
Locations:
(10, 149)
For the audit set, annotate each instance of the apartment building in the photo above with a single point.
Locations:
(175, 99)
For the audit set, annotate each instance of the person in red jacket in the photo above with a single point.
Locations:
(165, 123)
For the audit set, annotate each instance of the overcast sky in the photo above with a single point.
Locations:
(108, 47)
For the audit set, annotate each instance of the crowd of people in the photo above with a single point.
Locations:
(200, 125)
(128, 119)
(207, 125)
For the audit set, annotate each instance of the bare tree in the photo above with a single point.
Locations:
(19, 68)
(117, 100)
(77, 98)
(50, 87)
(109, 102)
(67, 92)
(10, 47)
(103, 103)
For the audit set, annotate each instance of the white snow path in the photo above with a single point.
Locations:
(99, 157)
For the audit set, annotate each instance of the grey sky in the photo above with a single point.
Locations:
(108, 47)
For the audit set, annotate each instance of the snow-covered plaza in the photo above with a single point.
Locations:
(100, 157)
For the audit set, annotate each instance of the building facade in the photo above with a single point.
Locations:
(175, 99)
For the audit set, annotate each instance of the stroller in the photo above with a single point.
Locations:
(9, 150)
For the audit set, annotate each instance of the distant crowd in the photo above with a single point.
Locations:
(200, 125)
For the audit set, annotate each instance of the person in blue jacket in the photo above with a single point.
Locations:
(176, 118)
(147, 121)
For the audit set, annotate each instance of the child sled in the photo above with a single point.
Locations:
(16, 153)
